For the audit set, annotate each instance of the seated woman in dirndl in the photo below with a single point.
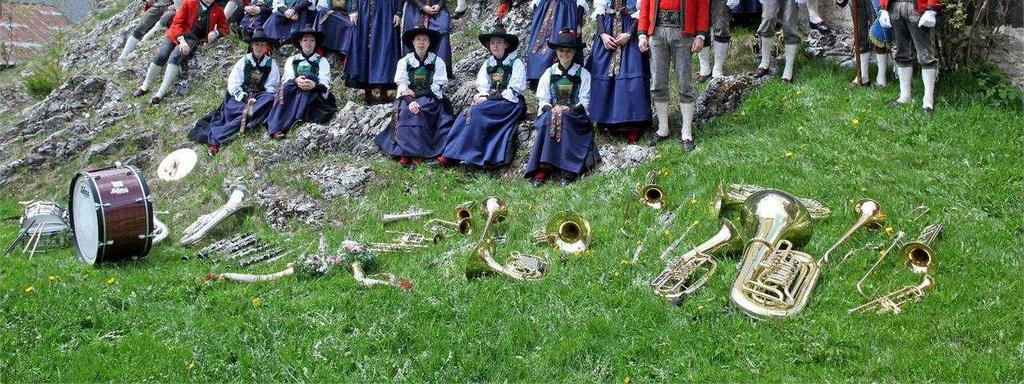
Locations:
(421, 115)
(484, 134)
(305, 87)
(252, 86)
(564, 136)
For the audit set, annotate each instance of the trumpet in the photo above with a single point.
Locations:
(651, 194)
(893, 302)
(918, 252)
(774, 279)
(387, 218)
(405, 242)
(437, 226)
(869, 213)
(687, 273)
(195, 232)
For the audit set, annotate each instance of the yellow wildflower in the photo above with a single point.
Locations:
(53, 278)
(789, 154)
(862, 189)
(888, 231)
(30, 289)
(190, 365)
(627, 380)
(257, 302)
(111, 280)
(855, 121)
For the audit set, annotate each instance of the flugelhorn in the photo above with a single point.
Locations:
(918, 252)
(651, 194)
(869, 213)
(774, 279)
(893, 302)
(195, 232)
(464, 226)
(688, 272)
(568, 231)
(390, 217)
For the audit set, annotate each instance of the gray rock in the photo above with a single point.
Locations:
(615, 157)
(348, 181)
(281, 209)
(724, 95)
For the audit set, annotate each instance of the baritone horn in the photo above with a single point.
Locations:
(205, 223)
(869, 213)
(918, 252)
(651, 194)
(774, 279)
(893, 302)
(687, 273)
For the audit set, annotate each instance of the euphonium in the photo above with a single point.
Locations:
(893, 302)
(691, 270)
(568, 231)
(726, 200)
(195, 232)
(774, 279)
(868, 213)
(918, 252)
(651, 194)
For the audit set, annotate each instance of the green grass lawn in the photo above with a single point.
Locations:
(593, 318)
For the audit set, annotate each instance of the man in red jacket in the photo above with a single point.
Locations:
(673, 30)
(195, 21)
(913, 29)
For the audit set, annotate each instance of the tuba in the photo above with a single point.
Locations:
(687, 273)
(868, 213)
(205, 223)
(651, 194)
(774, 279)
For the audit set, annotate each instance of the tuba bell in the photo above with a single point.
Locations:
(774, 279)
(687, 273)
(869, 213)
(568, 231)
(651, 194)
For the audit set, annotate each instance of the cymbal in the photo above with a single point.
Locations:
(177, 164)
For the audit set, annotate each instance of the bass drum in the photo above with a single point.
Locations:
(111, 215)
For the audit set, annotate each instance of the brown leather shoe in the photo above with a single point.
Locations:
(688, 145)
(761, 72)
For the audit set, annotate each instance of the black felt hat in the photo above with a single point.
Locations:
(499, 32)
(296, 36)
(408, 36)
(566, 38)
(260, 36)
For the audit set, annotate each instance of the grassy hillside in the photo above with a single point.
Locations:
(593, 318)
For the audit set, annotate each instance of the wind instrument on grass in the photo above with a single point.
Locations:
(391, 217)
(869, 213)
(774, 279)
(894, 302)
(651, 194)
(918, 252)
(195, 232)
(568, 231)
(881, 256)
(518, 266)
(405, 242)
(688, 272)
(496, 210)
(726, 200)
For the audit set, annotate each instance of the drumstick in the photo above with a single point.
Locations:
(39, 235)
(21, 235)
(33, 231)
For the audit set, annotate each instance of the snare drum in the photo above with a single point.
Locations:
(111, 215)
(46, 222)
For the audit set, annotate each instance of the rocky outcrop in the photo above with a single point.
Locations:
(346, 182)
(724, 95)
(281, 208)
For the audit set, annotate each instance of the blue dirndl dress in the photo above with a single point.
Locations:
(569, 147)
(421, 134)
(622, 96)
(375, 47)
(440, 22)
(549, 17)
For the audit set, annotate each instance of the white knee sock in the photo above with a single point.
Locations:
(704, 57)
(767, 44)
(152, 74)
(791, 49)
(170, 76)
(721, 51)
(461, 6)
(906, 75)
(881, 59)
(129, 46)
(929, 75)
(687, 126)
(229, 9)
(661, 109)
(865, 67)
(812, 12)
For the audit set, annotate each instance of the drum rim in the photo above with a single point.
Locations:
(100, 215)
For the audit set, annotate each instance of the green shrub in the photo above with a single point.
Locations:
(43, 80)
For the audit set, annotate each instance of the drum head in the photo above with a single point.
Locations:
(43, 217)
(85, 218)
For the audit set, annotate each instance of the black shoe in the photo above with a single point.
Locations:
(701, 79)
(928, 110)
(761, 72)
(564, 181)
(895, 104)
(458, 14)
(155, 100)
(655, 139)
(536, 183)
(140, 92)
(688, 145)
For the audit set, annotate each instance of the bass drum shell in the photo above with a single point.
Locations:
(111, 215)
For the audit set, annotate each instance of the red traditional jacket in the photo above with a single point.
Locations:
(919, 5)
(186, 16)
(696, 13)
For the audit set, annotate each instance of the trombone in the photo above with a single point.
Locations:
(869, 213)
(893, 302)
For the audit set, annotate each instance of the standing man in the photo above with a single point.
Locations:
(871, 38)
(912, 24)
(197, 21)
(771, 12)
(673, 30)
(153, 11)
(721, 17)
